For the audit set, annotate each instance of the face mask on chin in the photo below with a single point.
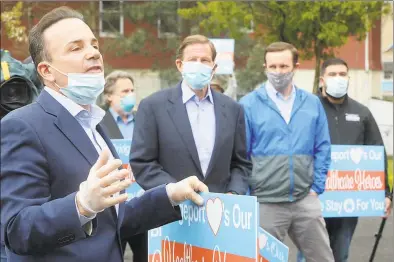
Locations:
(196, 74)
(82, 88)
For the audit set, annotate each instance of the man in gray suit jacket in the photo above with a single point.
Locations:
(190, 129)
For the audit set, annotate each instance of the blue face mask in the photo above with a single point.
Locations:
(127, 103)
(82, 88)
(196, 74)
(336, 86)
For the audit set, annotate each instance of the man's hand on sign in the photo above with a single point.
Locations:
(186, 189)
(387, 208)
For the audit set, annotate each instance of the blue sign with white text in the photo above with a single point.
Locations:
(225, 55)
(355, 184)
(271, 249)
(223, 229)
(122, 147)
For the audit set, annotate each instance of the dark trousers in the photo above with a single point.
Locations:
(340, 231)
(139, 246)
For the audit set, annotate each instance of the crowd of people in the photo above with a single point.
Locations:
(63, 191)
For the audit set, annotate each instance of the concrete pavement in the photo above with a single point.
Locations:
(363, 241)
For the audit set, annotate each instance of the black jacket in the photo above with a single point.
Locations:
(111, 126)
(351, 123)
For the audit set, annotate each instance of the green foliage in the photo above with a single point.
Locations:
(170, 76)
(253, 74)
(226, 19)
(316, 28)
(12, 23)
(143, 40)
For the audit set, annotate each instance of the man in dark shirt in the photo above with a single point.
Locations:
(350, 123)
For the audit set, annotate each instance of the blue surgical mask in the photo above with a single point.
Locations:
(83, 88)
(196, 74)
(127, 103)
(336, 86)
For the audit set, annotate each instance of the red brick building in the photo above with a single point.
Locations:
(361, 56)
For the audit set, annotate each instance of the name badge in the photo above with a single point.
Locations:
(353, 117)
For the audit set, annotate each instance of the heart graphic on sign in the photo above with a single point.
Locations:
(262, 241)
(356, 154)
(214, 210)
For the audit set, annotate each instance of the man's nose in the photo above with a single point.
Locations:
(93, 53)
(279, 70)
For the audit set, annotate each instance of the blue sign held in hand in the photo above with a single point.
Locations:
(122, 147)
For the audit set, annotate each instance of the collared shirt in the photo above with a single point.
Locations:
(125, 128)
(201, 115)
(285, 105)
(88, 121)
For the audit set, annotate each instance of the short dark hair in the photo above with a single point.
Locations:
(279, 47)
(195, 39)
(36, 39)
(330, 62)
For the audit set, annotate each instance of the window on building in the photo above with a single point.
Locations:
(111, 18)
(388, 74)
(168, 20)
(388, 70)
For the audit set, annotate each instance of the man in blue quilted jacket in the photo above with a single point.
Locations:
(289, 143)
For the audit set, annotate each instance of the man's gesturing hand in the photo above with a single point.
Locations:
(101, 188)
(186, 189)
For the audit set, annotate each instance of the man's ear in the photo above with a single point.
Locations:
(45, 72)
(178, 64)
(297, 65)
(321, 81)
(108, 98)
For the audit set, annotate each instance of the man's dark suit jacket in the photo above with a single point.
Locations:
(111, 126)
(45, 155)
(163, 148)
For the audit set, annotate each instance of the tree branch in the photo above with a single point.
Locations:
(282, 26)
